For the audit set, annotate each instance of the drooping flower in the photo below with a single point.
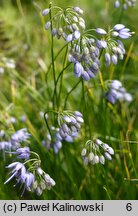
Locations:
(22, 153)
(28, 180)
(69, 123)
(95, 151)
(112, 48)
(101, 31)
(42, 181)
(117, 92)
(18, 171)
(117, 4)
(45, 12)
(122, 31)
(85, 56)
(20, 136)
(5, 145)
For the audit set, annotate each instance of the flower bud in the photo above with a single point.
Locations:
(108, 156)
(83, 152)
(91, 156)
(101, 31)
(111, 150)
(47, 25)
(102, 159)
(45, 12)
(96, 159)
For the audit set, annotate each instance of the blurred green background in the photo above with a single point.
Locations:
(24, 93)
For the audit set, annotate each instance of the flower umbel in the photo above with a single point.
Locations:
(69, 124)
(20, 136)
(116, 91)
(95, 151)
(29, 174)
(42, 181)
(67, 23)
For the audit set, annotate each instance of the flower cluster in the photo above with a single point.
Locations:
(19, 136)
(85, 56)
(35, 181)
(69, 126)
(5, 145)
(26, 173)
(14, 143)
(112, 47)
(69, 123)
(125, 4)
(86, 49)
(91, 154)
(22, 153)
(85, 52)
(22, 176)
(53, 140)
(42, 181)
(117, 92)
(66, 23)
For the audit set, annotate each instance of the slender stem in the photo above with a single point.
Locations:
(33, 159)
(60, 74)
(56, 58)
(61, 80)
(32, 166)
(34, 153)
(52, 55)
(83, 96)
(84, 107)
(53, 111)
(65, 103)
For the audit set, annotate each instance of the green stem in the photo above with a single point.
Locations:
(56, 56)
(33, 164)
(34, 153)
(65, 103)
(83, 105)
(52, 56)
(61, 80)
(83, 97)
(60, 74)
(34, 159)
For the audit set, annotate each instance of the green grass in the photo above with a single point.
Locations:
(24, 91)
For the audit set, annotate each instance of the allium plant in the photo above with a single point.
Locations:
(85, 47)
(86, 51)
